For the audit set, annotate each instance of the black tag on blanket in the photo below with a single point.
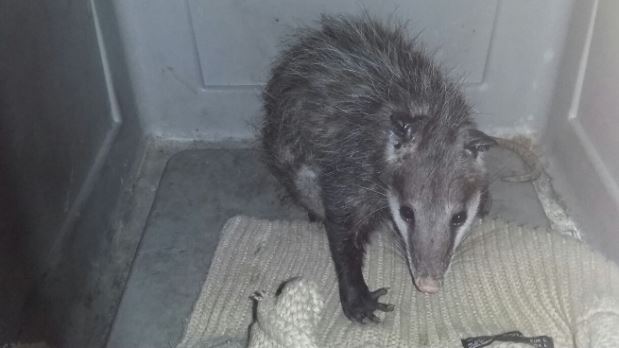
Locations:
(512, 336)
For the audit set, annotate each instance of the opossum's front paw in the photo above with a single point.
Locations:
(360, 306)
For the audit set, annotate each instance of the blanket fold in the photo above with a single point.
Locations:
(503, 278)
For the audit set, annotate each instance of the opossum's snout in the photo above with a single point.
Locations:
(427, 285)
(428, 248)
(427, 267)
(436, 184)
(430, 234)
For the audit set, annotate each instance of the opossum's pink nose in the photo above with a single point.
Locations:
(427, 285)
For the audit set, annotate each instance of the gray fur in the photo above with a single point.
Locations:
(331, 111)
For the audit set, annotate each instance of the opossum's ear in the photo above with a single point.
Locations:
(478, 141)
(405, 126)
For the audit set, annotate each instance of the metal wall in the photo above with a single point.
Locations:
(581, 137)
(198, 65)
(69, 140)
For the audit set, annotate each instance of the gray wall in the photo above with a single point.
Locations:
(56, 113)
(582, 133)
(69, 138)
(198, 65)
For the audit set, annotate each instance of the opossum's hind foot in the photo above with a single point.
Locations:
(360, 306)
(309, 192)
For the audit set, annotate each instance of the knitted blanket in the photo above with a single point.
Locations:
(503, 278)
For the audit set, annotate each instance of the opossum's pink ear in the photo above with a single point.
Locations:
(478, 141)
(405, 126)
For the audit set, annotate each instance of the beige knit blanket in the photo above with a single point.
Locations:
(503, 278)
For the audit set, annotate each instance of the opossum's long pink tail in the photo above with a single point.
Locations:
(525, 152)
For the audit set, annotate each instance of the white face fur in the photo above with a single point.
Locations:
(405, 231)
(471, 214)
(436, 175)
(402, 228)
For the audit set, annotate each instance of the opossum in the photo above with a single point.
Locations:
(362, 127)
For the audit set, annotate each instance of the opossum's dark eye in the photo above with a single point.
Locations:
(407, 214)
(458, 219)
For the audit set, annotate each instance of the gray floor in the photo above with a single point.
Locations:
(199, 191)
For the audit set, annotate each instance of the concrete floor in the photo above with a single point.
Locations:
(199, 191)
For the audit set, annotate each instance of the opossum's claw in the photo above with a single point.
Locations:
(373, 318)
(383, 307)
(378, 293)
(386, 307)
(361, 308)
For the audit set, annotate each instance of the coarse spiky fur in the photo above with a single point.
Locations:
(360, 125)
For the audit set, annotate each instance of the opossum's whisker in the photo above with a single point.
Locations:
(381, 184)
(397, 252)
(369, 216)
(400, 247)
(461, 249)
(462, 261)
(398, 244)
(372, 190)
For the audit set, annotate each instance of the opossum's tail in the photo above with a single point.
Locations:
(526, 153)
